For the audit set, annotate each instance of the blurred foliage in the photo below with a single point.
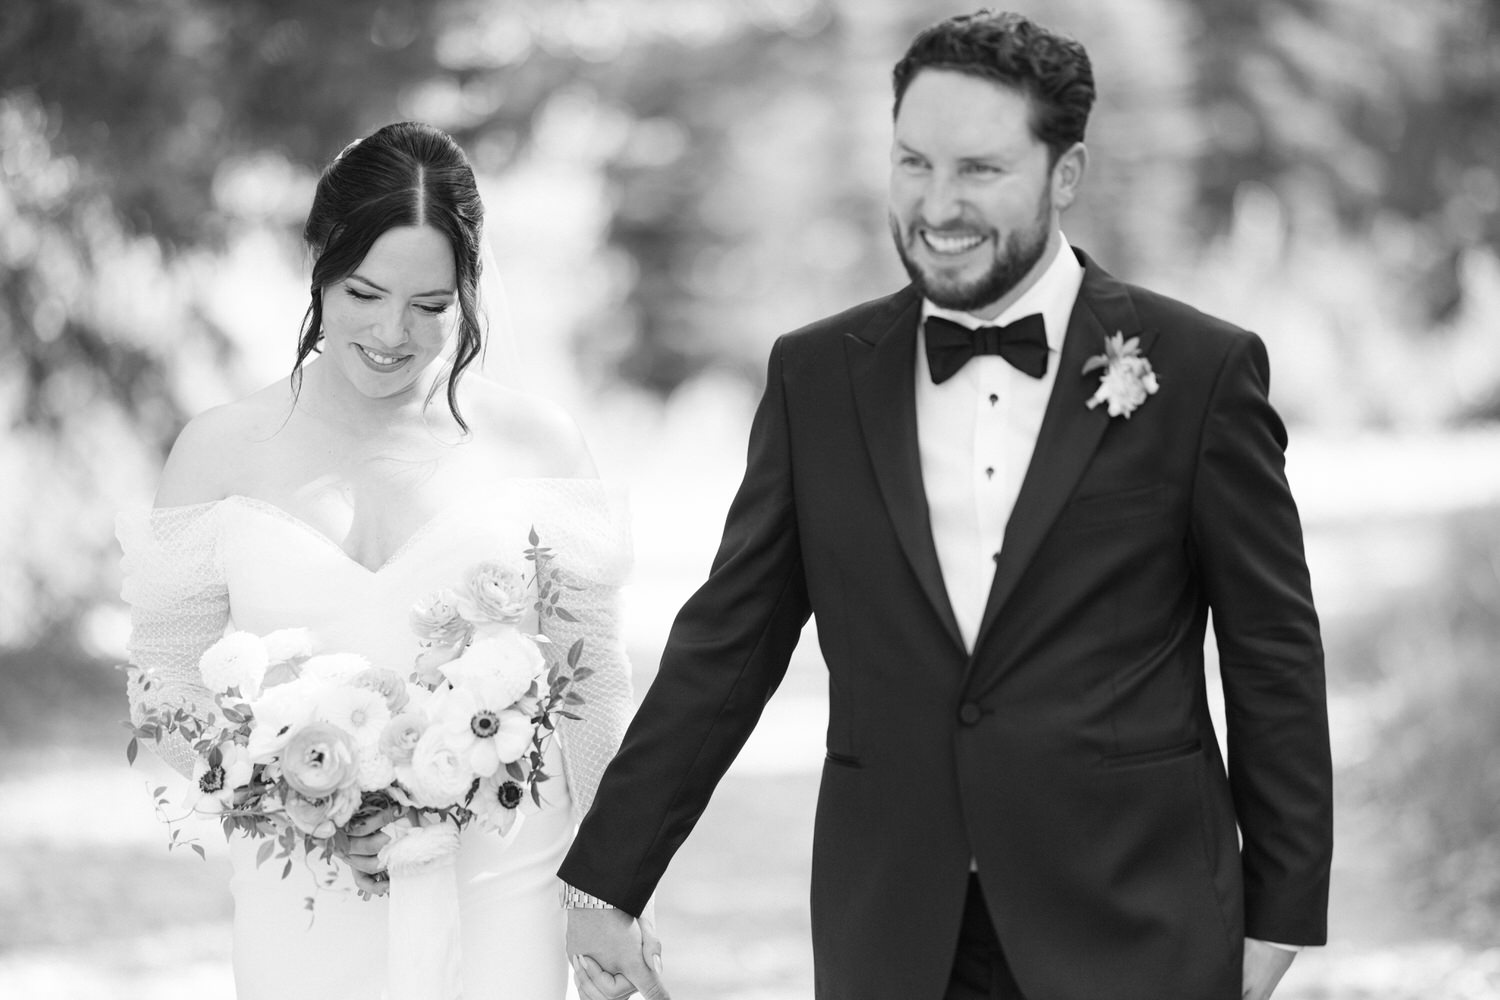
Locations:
(1434, 769)
(1321, 170)
(1378, 110)
(150, 97)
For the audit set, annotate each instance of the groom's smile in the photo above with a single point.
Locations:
(949, 244)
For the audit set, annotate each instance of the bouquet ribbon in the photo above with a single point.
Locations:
(423, 957)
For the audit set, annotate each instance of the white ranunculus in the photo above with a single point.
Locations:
(239, 660)
(376, 770)
(322, 817)
(399, 738)
(437, 621)
(439, 773)
(496, 594)
(498, 668)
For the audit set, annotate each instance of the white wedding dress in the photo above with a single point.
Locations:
(190, 572)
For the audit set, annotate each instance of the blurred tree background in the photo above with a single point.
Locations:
(673, 183)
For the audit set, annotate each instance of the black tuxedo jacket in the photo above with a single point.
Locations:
(1071, 754)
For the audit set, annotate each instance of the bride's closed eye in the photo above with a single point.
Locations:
(429, 309)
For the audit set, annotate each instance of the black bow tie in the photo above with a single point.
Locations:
(950, 345)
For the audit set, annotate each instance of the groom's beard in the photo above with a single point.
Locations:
(1015, 256)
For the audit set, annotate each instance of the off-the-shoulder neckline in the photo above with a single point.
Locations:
(513, 480)
(280, 513)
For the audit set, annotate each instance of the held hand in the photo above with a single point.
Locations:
(608, 950)
(1265, 964)
(650, 943)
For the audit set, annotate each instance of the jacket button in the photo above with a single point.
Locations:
(969, 713)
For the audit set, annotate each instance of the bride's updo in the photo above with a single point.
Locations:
(405, 174)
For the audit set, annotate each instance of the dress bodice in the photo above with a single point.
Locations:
(283, 573)
(192, 572)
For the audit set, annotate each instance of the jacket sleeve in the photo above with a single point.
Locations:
(727, 652)
(1247, 539)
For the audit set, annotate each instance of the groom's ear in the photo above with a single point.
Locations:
(1067, 175)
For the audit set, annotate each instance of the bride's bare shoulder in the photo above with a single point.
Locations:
(525, 431)
(209, 456)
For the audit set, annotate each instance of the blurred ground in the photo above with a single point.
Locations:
(91, 903)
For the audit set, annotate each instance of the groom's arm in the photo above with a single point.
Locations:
(727, 652)
(1247, 539)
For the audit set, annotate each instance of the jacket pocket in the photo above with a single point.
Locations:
(1113, 508)
(1160, 755)
(842, 759)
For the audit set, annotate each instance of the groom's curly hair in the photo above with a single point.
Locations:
(1052, 70)
(404, 174)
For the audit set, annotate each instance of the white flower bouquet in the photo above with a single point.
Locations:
(298, 743)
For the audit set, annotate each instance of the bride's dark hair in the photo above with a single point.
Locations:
(405, 174)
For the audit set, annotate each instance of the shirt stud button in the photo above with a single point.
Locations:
(970, 713)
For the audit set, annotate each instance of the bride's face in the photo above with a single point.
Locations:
(389, 322)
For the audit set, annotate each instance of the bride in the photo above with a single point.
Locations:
(335, 499)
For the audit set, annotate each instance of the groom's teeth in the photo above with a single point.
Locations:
(951, 244)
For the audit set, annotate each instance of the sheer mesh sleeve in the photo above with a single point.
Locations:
(586, 527)
(179, 606)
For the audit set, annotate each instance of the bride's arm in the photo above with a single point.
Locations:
(179, 607)
(589, 745)
(174, 583)
(585, 525)
(591, 546)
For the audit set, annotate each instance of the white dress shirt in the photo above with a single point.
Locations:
(976, 433)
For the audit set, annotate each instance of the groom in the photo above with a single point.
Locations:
(1012, 552)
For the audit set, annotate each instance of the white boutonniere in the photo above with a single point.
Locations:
(1127, 379)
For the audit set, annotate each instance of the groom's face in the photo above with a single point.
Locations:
(971, 191)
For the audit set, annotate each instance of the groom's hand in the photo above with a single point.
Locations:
(609, 949)
(1265, 964)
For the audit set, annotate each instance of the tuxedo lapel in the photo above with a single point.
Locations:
(882, 370)
(1069, 434)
